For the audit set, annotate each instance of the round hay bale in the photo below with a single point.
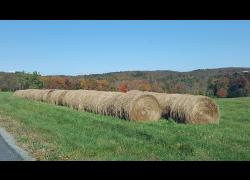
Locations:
(89, 100)
(97, 101)
(72, 99)
(186, 108)
(19, 93)
(38, 94)
(28, 94)
(130, 106)
(33, 94)
(56, 97)
(47, 94)
(138, 107)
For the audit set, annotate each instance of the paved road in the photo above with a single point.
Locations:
(7, 153)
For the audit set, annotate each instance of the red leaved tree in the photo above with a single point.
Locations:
(123, 87)
(222, 93)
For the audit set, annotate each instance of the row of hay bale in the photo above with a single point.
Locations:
(134, 105)
(186, 108)
(131, 106)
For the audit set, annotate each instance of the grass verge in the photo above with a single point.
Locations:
(58, 133)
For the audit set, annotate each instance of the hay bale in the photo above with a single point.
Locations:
(35, 94)
(186, 108)
(138, 107)
(19, 93)
(38, 94)
(47, 94)
(32, 94)
(97, 101)
(130, 106)
(27, 94)
(72, 99)
(56, 97)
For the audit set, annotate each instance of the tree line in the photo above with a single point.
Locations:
(235, 84)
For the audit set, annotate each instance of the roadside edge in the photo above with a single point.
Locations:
(9, 139)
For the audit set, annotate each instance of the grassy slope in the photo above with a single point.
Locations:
(59, 133)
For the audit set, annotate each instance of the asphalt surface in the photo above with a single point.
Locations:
(7, 153)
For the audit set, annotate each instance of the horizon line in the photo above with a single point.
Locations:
(86, 74)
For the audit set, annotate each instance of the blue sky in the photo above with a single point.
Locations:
(86, 47)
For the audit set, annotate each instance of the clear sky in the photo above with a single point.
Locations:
(86, 47)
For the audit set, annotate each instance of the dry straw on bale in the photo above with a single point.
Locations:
(28, 94)
(19, 93)
(72, 98)
(130, 106)
(187, 108)
(47, 94)
(56, 97)
(38, 94)
(33, 94)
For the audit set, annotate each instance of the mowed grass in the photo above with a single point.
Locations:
(59, 133)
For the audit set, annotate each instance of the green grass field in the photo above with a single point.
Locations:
(59, 133)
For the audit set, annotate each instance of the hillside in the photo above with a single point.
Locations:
(158, 74)
(199, 81)
(194, 80)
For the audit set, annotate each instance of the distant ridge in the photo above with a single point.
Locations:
(218, 70)
(223, 70)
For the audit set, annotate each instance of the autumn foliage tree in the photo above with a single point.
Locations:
(123, 88)
(179, 88)
(88, 84)
(54, 82)
(235, 85)
(102, 85)
(142, 85)
(218, 86)
(239, 85)
(222, 93)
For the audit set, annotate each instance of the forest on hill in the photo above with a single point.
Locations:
(221, 82)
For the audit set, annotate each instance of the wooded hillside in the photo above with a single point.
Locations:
(222, 82)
